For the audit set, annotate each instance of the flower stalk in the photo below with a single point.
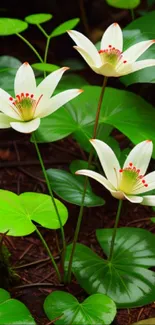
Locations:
(85, 183)
(49, 253)
(51, 194)
(115, 230)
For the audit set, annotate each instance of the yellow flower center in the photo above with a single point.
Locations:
(111, 55)
(25, 105)
(131, 179)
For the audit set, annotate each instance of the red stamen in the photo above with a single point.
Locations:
(130, 164)
(32, 96)
(143, 181)
(121, 170)
(100, 51)
(141, 176)
(18, 97)
(110, 45)
(11, 98)
(124, 61)
(146, 185)
(27, 94)
(22, 94)
(138, 170)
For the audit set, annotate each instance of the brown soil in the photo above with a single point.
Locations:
(20, 172)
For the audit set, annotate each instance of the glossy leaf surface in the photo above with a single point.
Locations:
(97, 309)
(126, 278)
(70, 188)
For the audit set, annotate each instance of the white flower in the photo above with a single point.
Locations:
(129, 181)
(32, 102)
(110, 61)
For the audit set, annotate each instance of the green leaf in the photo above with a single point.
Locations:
(126, 278)
(121, 109)
(4, 295)
(74, 64)
(70, 188)
(61, 29)
(36, 19)
(13, 312)
(149, 321)
(124, 4)
(96, 309)
(84, 134)
(20, 210)
(10, 26)
(78, 164)
(45, 67)
(141, 29)
(8, 69)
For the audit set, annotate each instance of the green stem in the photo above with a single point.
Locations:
(132, 14)
(85, 183)
(115, 230)
(42, 30)
(51, 194)
(31, 46)
(49, 253)
(48, 38)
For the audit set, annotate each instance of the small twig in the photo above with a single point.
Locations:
(12, 164)
(35, 263)
(25, 252)
(26, 172)
(138, 220)
(38, 284)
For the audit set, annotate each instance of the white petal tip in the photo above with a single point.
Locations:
(26, 63)
(65, 68)
(77, 172)
(91, 140)
(148, 141)
(80, 91)
(115, 24)
(69, 31)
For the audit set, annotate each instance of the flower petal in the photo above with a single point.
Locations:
(140, 156)
(136, 50)
(108, 161)
(26, 127)
(48, 85)
(25, 80)
(57, 101)
(149, 200)
(88, 58)
(139, 65)
(7, 107)
(84, 43)
(150, 180)
(99, 178)
(5, 121)
(133, 199)
(112, 36)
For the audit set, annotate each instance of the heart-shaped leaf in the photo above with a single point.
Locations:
(97, 309)
(70, 188)
(126, 278)
(13, 312)
(124, 4)
(20, 210)
(45, 67)
(36, 19)
(10, 26)
(61, 29)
